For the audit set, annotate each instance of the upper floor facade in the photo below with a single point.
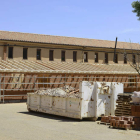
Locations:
(32, 47)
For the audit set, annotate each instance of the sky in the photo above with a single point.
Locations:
(94, 19)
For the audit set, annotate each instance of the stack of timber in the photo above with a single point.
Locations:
(129, 122)
(123, 108)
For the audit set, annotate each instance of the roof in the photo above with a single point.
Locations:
(40, 38)
(26, 66)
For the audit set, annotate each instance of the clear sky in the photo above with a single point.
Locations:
(97, 19)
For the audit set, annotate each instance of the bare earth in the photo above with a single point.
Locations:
(16, 123)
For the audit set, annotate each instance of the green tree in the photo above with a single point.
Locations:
(136, 6)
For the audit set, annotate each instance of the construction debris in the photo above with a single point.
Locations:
(123, 108)
(130, 122)
(66, 91)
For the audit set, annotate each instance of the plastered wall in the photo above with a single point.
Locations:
(32, 52)
(1, 52)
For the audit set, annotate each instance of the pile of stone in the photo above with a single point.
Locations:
(66, 91)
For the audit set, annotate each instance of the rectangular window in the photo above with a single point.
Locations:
(134, 59)
(85, 57)
(74, 56)
(106, 58)
(38, 56)
(116, 58)
(63, 56)
(125, 59)
(25, 50)
(51, 55)
(10, 52)
(96, 57)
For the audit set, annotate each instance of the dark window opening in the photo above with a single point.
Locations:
(134, 59)
(38, 57)
(125, 59)
(116, 58)
(63, 56)
(85, 57)
(106, 58)
(10, 52)
(96, 57)
(51, 55)
(25, 50)
(74, 56)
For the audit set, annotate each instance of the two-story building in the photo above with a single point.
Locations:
(58, 59)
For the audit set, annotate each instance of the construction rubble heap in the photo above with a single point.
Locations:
(66, 91)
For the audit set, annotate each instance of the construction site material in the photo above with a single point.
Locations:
(94, 100)
(129, 122)
(136, 97)
(135, 110)
(123, 108)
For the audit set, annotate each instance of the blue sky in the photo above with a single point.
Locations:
(75, 18)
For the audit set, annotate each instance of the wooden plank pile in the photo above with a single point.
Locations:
(122, 122)
(123, 108)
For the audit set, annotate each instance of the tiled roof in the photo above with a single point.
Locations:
(26, 66)
(28, 37)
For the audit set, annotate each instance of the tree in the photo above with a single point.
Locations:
(136, 6)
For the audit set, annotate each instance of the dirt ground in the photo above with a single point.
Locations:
(16, 123)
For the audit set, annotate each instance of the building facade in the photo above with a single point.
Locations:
(34, 55)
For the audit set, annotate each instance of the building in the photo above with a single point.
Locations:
(31, 61)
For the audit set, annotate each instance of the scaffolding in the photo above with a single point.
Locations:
(31, 83)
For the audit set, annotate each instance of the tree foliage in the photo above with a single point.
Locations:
(136, 6)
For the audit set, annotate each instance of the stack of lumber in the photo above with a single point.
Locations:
(129, 122)
(123, 108)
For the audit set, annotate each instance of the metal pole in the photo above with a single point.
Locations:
(115, 50)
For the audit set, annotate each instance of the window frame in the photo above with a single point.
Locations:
(86, 60)
(134, 59)
(74, 56)
(37, 54)
(96, 58)
(10, 56)
(106, 59)
(26, 53)
(63, 52)
(51, 58)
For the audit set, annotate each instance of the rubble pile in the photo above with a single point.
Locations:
(66, 91)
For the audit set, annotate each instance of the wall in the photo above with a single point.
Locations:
(1, 53)
(18, 53)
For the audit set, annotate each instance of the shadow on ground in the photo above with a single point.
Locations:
(55, 117)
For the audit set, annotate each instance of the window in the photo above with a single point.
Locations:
(74, 56)
(25, 50)
(51, 55)
(63, 56)
(96, 57)
(85, 57)
(125, 59)
(116, 58)
(10, 52)
(38, 56)
(134, 59)
(106, 58)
